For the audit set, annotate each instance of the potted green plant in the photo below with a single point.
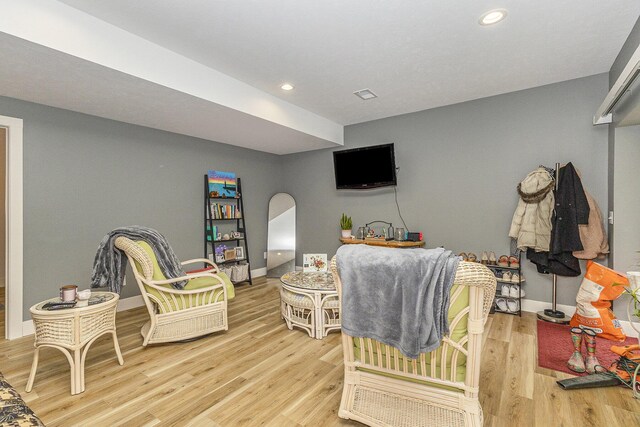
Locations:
(346, 225)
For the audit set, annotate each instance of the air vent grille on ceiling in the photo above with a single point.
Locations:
(365, 94)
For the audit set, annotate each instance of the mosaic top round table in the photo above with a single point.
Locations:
(310, 302)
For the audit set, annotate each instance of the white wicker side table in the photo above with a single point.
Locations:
(72, 331)
(310, 301)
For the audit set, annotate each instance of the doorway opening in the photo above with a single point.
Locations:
(12, 244)
(3, 220)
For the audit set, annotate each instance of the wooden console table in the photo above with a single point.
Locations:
(385, 243)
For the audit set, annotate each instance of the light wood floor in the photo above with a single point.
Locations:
(260, 373)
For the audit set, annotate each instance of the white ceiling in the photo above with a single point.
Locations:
(212, 69)
(414, 54)
(68, 82)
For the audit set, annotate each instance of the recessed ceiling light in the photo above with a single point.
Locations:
(286, 86)
(365, 94)
(492, 17)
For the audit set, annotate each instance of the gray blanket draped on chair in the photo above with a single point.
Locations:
(110, 263)
(399, 297)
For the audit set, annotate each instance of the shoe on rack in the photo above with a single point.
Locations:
(513, 262)
(463, 255)
(505, 290)
(506, 276)
(472, 257)
(516, 292)
(502, 304)
(484, 258)
(513, 305)
(492, 258)
(503, 261)
(515, 278)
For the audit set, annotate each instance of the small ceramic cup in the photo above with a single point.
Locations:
(83, 298)
(68, 293)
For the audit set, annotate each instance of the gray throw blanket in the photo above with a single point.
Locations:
(110, 262)
(399, 297)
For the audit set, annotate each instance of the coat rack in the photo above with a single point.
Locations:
(553, 314)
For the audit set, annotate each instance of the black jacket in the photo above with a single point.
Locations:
(571, 209)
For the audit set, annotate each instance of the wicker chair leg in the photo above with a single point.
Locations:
(117, 347)
(346, 403)
(34, 368)
(146, 332)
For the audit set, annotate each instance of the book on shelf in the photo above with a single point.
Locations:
(212, 232)
(225, 211)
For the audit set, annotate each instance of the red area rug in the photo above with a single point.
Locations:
(555, 347)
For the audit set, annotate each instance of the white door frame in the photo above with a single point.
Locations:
(13, 227)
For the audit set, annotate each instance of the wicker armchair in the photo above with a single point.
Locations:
(178, 314)
(440, 388)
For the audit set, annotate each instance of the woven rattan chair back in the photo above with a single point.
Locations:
(440, 388)
(137, 254)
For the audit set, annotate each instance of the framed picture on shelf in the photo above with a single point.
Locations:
(239, 252)
(314, 263)
(222, 184)
(229, 254)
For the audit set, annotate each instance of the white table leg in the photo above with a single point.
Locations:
(78, 374)
(317, 297)
(117, 347)
(34, 368)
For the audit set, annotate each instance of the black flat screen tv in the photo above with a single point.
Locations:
(366, 167)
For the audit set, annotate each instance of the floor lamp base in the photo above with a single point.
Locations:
(553, 316)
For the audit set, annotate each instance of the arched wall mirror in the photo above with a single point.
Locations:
(281, 240)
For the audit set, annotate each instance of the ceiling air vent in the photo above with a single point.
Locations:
(365, 94)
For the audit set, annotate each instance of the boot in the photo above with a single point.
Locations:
(576, 362)
(590, 342)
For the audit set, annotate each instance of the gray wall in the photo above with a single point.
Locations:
(3, 184)
(627, 199)
(459, 167)
(629, 47)
(623, 188)
(84, 176)
(626, 241)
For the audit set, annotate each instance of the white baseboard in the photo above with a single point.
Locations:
(131, 302)
(535, 306)
(27, 328)
(528, 305)
(259, 272)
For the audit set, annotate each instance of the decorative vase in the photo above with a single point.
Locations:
(346, 234)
